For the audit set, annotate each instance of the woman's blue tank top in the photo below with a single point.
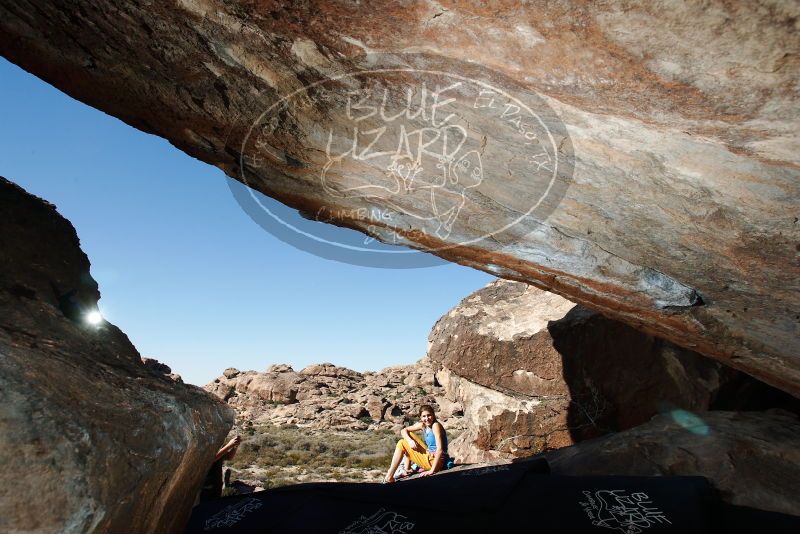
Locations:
(430, 439)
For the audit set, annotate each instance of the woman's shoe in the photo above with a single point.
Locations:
(400, 473)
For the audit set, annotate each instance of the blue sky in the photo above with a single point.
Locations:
(183, 270)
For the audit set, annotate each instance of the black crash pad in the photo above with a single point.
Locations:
(518, 497)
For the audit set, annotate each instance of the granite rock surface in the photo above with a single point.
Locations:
(752, 458)
(92, 439)
(534, 371)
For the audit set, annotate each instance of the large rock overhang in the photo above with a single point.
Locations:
(676, 204)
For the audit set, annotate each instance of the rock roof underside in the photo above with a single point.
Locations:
(680, 194)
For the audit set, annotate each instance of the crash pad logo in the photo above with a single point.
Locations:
(485, 471)
(381, 522)
(619, 510)
(411, 151)
(232, 514)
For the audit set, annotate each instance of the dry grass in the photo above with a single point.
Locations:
(275, 456)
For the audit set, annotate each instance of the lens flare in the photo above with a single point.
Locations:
(94, 318)
(690, 422)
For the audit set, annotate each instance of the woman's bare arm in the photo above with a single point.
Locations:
(406, 436)
(231, 445)
(415, 427)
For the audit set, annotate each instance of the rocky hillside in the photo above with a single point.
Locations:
(325, 423)
(328, 397)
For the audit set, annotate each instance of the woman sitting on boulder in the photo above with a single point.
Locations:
(430, 452)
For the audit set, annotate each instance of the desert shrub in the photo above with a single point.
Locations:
(275, 482)
(298, 457)
(376, 462)
(245, 455)
(286, 452)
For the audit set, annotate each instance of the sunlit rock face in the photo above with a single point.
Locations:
(534, 371)
(91, 438)
(328, 397)
(752, 458)
(641, 160)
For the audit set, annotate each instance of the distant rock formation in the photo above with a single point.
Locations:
(159, 368)
(535, 372)
(325, 396)
(91, 439)
(753, 458)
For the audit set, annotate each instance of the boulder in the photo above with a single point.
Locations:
(230, 372)
(159, 368)
(534, 372)
(395, 413)
(274, 387)
(499, 426)
(222, 390)
(100, 440)
(280, 368)
(447, 408)
(356, 411)
(308, 411)
(639, 160)
(753, 458)
(278, 385)
(330, 370)
(376, 406)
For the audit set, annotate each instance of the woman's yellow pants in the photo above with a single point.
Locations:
(422, 457)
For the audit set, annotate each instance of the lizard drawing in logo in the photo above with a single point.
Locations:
(406, 187)
(448, 199)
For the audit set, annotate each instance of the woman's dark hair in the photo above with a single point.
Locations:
(426, 408)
